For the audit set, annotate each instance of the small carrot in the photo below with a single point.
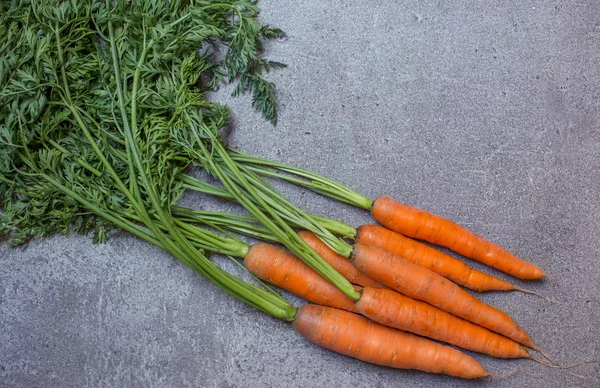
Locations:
(358, 337)
(286, 271)
(417, 223)
(428, 257)
(422, 284)
(338, 262)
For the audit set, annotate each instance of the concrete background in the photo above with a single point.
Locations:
(484, 112)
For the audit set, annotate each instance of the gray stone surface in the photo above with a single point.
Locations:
(484, 112)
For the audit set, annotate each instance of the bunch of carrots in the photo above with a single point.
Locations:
(101, 114)
(406, 291)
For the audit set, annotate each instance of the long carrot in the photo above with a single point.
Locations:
(358, 337)
(338, 262)
(286, 271)
(393, 309)
(417, 223)
(422, 284)
(428, 257)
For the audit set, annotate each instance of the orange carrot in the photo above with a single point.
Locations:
(358, 337)
(417, 223)
(422, 284)
(286, 271)
(338, 262)
(393, 309)
(428, 257)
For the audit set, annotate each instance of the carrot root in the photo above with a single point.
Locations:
(284, 270)
(536, 294)
(563, 367)
(505, 375)
(422, 225)
(553, 280)
(539, 350)
(393, 309)
(558, 366)
(355, 336)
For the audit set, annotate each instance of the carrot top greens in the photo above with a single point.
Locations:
(60, 69)
(92, 95)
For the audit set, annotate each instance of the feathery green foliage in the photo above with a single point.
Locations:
(92, 95)
(44, 99)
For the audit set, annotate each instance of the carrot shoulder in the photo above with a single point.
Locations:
(338, 262)
(422, 284)
(358, 337)
(281, 268)
(417, 223)
(428, 257)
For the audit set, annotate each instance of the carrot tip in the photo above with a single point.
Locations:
(505, 375)
(539, 350)
(581, 363)
(558, 366)
(565, 366)
(535, 293)
(553, 280)
(576, 375)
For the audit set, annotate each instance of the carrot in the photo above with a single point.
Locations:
(417, 223)
(338, 262)
(393, 309)
(358, 337)
(422, 284)
(428, 257)
(286, 271)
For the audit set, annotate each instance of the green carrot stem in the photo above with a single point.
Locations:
(299, 217)
(314, 182)
(273, 305)
(333, 226)
(215, 242)
(274, 223)
(231, 222)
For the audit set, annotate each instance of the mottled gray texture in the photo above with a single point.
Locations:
(484, 112)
